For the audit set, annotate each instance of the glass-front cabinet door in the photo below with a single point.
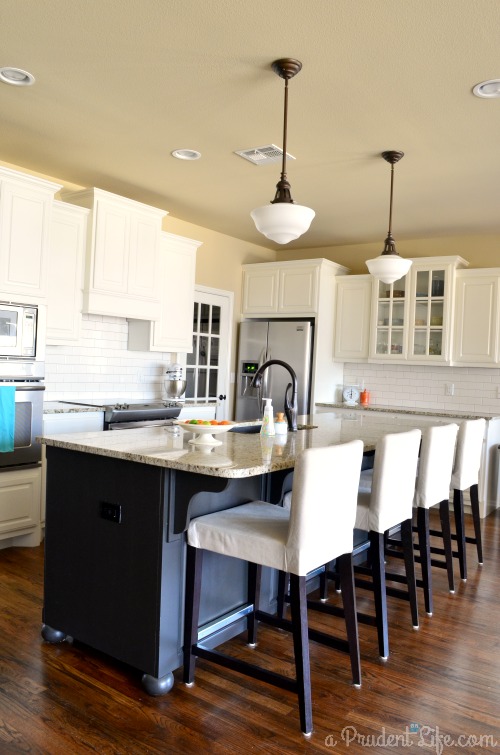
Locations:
(411, 318)
(390, 315)
(427, 336)
(432, 283)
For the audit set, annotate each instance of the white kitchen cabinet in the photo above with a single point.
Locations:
(20, 506)
(301, 288)
(284, 289)
(25, 212)
(476, 317)
(412, 318)
(173, 332)
(122, 260)
(66, 269)
(353, 317)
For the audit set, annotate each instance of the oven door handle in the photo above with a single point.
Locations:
(139, 423)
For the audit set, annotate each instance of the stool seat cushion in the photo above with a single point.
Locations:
(255, 532)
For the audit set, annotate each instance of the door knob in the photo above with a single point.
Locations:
(222, 397)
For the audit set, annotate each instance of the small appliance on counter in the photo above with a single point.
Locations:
(174, 384)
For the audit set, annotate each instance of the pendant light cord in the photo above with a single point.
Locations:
(389, 232)
(283, 188)
(285, 120)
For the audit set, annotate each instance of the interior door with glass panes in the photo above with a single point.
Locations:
(207, 366)
(390, 317)
(427, 322)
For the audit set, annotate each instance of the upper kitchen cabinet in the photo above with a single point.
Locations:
(174, 330)
(412, 318)
(475, 339)
(25, 212)
(286, 289)
(122, 260)
(66, 269)
(353, 316)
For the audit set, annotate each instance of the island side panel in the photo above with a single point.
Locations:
(103, 577)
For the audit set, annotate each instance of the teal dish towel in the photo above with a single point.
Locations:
(7, 417)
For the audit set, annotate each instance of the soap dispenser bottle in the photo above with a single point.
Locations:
(268, 420)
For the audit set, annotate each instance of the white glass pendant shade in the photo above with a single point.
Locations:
(282, 222)
(388, 267)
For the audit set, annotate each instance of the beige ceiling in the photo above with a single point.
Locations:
(121, 83)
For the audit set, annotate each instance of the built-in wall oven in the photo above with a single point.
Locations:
(27, 426)
(22, 351)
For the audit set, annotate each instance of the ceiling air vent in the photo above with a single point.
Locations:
(270, 153)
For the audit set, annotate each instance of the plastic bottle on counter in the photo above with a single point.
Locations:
(364, 397)
(280, 426)
(268, 419)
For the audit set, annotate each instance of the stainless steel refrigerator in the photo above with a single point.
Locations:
(288, 340)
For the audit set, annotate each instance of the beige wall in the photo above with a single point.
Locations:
(479, 251)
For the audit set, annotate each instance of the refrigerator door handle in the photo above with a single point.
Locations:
(268, 378)
(263, 385)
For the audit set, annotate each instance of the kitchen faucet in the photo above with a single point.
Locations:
(290, 407)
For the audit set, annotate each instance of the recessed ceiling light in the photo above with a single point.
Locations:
(487, 89)
(16, 76)
(186, 154)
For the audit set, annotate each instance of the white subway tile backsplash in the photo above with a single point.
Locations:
(100, 366)
(419, 386)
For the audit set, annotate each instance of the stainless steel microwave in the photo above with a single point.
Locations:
(21, 331)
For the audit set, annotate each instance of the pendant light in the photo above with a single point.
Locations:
(282, 220)
(389, 266)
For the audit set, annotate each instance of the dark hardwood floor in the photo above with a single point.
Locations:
(444, 678)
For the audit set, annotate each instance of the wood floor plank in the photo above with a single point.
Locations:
(69, 699)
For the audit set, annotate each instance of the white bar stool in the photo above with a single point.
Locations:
(385, 501)
(317, 529)
(437, 453)
(466, 477)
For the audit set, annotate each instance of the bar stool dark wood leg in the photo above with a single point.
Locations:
(298, 605)
(281, 597)
(409, 557)
(444, 515)
(194, 560)
(474, 501)
(379, 593)
(424, 548)
(346, 571)
(458, 510)
(254, 584)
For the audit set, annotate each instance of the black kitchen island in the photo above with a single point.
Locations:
(118, 505)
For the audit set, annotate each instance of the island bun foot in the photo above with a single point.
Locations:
(53, 635)
(155, 686)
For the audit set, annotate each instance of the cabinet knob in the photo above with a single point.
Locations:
(222, 397)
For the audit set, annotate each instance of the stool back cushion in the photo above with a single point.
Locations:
(323, 512)
(394, 477)
(435, 465)
(468, 454)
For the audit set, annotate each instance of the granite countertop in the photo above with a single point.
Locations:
(240, 454)
(60, 407)
(71, 406)
(407, 410)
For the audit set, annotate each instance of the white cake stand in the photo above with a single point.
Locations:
(204, 434)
